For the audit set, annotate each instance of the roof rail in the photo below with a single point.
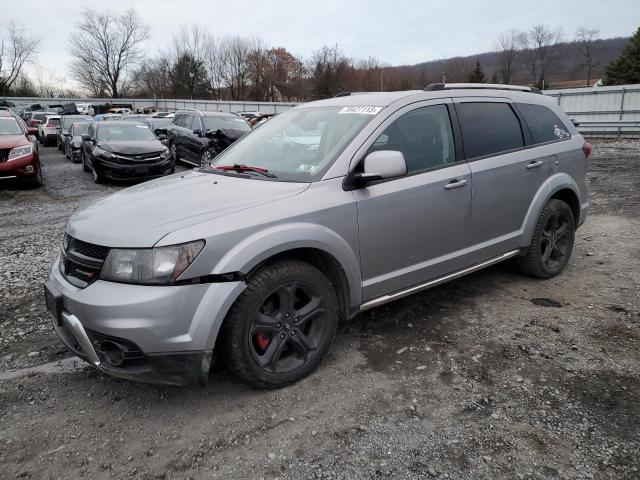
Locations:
(189, 110)
(480, 86)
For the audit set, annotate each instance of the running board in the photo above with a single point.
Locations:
(436, 281)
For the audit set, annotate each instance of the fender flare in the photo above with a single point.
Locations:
(553, 184)
(259, 247)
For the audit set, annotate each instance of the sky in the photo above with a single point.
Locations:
(396, 32)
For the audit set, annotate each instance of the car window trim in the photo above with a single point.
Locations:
(392, 117)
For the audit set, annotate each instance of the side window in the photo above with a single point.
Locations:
(187, 122)
(545, 125)
(423, 136)
(196, 125)
(488, 128)
(177, 121)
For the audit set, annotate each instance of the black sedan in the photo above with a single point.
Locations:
(124, 151)
(73, 140)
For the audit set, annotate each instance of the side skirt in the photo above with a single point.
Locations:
(436, 281)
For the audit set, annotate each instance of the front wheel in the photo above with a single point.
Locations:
(281, 325)
(85, 167)
(95, 173)
(552, 242)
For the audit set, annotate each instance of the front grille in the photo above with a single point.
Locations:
(81, 262)
(139, 158)
(4, 154)
(90, 250)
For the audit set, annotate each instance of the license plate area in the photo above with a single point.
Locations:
(53, 300)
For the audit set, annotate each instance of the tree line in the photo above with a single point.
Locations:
(109, 60)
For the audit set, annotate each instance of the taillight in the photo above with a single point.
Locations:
(586, 149)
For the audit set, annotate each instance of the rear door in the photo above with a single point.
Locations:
(506, 173)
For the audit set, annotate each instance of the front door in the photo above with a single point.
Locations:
(414, 228)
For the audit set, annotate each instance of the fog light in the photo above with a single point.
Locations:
(29, 169)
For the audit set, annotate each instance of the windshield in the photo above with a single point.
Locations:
(67, 121)
(80, 128)
(164, 123)
(9, 126)
(124, 132)
(299, 145)
(225, 123)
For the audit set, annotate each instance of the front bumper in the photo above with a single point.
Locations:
(167, 334)
(22, 167)
(117, 171)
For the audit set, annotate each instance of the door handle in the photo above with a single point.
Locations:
(456, 184)
(535, 164)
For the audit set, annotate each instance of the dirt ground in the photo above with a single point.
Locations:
(495, 375)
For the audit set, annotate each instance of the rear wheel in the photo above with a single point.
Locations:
(552, 242)
(281, 325)
(174, 153)
(206, 159)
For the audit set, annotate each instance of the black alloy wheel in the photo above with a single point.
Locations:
(288, 327)
(281, 326)
(552, 242)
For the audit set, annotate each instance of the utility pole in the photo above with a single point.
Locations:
(444, 77)
(381, 71)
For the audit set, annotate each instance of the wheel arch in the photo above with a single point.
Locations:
(560, 186)
(314, 244)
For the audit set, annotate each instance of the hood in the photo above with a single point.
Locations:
(140, 216)
(131, 147)
(11, 141)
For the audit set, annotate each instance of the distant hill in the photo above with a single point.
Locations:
(564, 70)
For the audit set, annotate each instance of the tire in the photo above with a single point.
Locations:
(97, 176)
(34, 181)
(552, 242)
(269, 346)
(206, 159)
(174, 153)
(85, 167)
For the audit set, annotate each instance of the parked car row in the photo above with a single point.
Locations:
(19, 158)
(130, 146)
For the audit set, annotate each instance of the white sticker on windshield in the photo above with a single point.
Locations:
(362, 110)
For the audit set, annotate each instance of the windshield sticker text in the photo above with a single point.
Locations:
(362, 110)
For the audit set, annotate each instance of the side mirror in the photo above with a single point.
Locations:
(32, 131)
(86, 138)
(381, 165)
(575, 122)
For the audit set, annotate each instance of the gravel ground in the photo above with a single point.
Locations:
(494, 375)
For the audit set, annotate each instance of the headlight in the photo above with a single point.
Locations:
(150, 266)
(19, 152)
(97, 151)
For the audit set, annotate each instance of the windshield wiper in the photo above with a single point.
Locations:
(244, 168)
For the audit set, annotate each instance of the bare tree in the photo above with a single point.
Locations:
(16, 50)
(539, 45)
(105, 48)
(507, 51)
(330, 71)
(586, 38)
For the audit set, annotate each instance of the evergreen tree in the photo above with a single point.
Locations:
(625, 69)
(477, 75)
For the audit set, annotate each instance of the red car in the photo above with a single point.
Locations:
(18, 150)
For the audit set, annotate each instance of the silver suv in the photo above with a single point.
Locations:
(329, 209)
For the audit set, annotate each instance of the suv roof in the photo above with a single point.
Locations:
(384, 99)
(206, 113)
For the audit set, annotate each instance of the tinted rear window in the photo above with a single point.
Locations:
(488, 128)
(545, 125)
(53, 122)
